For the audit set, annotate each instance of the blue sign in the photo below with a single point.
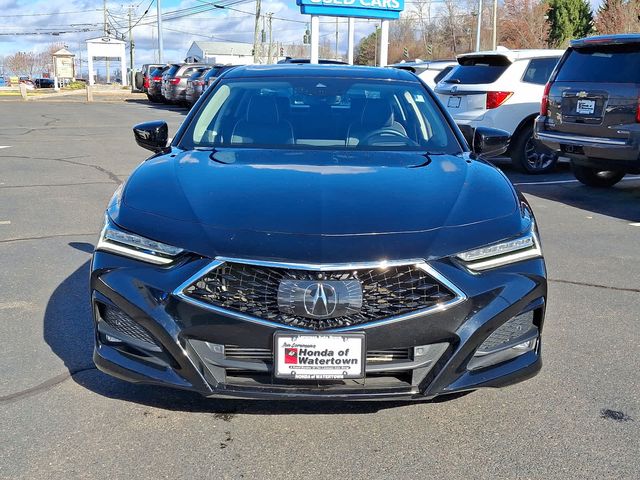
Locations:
(389, 9)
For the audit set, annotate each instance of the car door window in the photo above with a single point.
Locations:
(539, 70)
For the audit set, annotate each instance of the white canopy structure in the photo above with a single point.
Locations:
(106, 49)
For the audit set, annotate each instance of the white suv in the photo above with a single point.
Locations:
(431, 71)
(503, 89)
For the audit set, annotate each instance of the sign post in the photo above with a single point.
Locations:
(384, 42)
(384, 10)
(351, 41)
(315, 38)
(63, 67)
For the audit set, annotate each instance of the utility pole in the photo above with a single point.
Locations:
(160, 46)
(104, 15)
(269, 15)
(131, 47)
(495, 24)
(336, 38)
(106, 34)
(479, 25)
(256, 33)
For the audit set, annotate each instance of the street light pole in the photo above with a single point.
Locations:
(495, 24)
(132, 75)
(256, 32)
(160, 46)
(479, 25)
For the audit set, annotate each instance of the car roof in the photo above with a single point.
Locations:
(513, 55)
(619, 39)
(421, 63)
(309, 70)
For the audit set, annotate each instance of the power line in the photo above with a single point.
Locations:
(145, 12)
(49, 14)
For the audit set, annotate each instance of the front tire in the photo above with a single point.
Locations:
(596, 178)
(529, 155)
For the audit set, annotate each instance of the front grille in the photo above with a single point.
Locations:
(265, 354)
(120, 321)
(253, 290)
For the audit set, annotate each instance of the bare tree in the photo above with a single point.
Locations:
(422, 9)
(45, 58)
(403, 34)
(22, 63)
(523, 24)
(618, 16)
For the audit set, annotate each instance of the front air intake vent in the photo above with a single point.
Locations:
(124, 324)
(380, 293)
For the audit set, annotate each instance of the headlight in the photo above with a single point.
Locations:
(522, 248)
(115, 240)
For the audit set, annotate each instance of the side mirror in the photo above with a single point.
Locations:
(490, 142)
(153, 136)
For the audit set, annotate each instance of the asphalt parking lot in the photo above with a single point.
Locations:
(61, 418)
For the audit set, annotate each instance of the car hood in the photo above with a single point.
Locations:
(261, 203)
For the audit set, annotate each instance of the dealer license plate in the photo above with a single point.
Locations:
(585, 107)
(318, 357)
(454, 102)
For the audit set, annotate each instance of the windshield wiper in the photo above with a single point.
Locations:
(452, 80)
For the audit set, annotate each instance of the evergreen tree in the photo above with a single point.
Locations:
(366, 50)
(569, 19)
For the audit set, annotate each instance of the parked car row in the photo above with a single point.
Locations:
(179, 83)
(589, 93)
(581, 103)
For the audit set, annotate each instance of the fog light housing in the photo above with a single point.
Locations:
(513, 338)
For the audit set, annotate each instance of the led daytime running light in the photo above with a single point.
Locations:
(499, 249)
(504, 253)
(135, 246)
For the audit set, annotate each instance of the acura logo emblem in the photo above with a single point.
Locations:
(454, 89)
(320, 300)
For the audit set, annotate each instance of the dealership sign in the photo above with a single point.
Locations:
(387, 9)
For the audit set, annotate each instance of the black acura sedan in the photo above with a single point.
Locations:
(318, 232)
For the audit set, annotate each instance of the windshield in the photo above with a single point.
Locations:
(331, 113)
(605, 64)
(475, 70)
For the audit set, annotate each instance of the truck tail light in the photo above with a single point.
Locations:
(495, 99)
(544, 104)
(638, 111)
(157, 79)
(174, 81)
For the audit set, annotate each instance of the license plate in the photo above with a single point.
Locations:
(454, 102)
(319, 357)
(586, 107)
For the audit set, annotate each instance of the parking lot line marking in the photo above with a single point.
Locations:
(635, 224)
(556, 182)
(5, 146)
(5, 222)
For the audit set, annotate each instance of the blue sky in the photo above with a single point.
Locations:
(21, 17)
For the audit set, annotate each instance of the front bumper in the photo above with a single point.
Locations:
(188, 335)
(598, 152)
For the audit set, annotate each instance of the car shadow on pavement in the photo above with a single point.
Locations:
(68, 331)
(620, 201)
(159, 106)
